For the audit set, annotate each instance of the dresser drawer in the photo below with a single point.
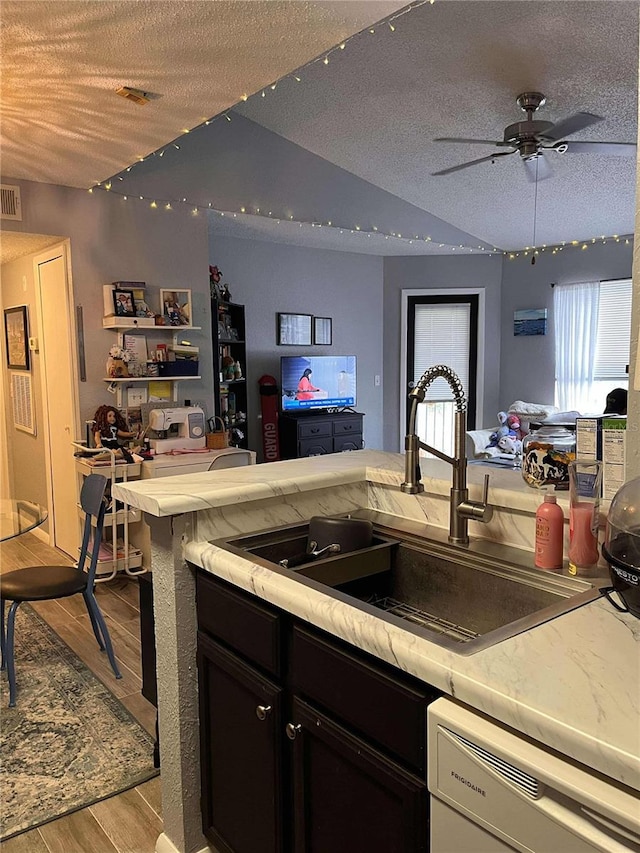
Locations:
(313, 429)
(247, 626)
(342, 443)
(379, 706)
(315, 446)
(344, 426)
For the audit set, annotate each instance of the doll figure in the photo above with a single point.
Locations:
(110, 428)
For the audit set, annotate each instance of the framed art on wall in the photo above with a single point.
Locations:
(294, 330)
(16, 333)
(322, 331)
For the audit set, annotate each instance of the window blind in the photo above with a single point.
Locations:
(614, 330)
(442, 336)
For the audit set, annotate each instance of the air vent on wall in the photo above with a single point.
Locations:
(10, 202)
(135, 95)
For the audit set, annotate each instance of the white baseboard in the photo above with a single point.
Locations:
(41, 534)
(165, 845)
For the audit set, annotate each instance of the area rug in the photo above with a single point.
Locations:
(69, 742)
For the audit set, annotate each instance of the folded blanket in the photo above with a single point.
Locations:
(531, 411)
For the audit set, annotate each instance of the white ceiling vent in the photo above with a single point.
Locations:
(135, 95)
(10, 202)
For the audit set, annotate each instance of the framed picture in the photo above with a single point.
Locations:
(124, 303)
(294, 330)
(322, 331)
(16, 333)
(175, 307)
(530, 322)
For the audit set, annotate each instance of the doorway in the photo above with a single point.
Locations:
(443, 327)
(61, 419)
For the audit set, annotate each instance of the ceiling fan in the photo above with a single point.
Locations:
(532, 138)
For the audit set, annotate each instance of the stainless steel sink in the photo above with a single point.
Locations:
(465, 598)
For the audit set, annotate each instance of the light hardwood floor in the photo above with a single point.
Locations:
(129, 822)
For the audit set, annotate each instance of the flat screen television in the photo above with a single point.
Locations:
(317, 382)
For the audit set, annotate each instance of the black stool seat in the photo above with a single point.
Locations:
(40, 583)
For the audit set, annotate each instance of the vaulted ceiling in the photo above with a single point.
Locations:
(452, 68)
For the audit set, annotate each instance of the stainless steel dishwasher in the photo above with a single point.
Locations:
(495, 792)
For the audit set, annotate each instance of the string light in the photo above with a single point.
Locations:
(293, 75)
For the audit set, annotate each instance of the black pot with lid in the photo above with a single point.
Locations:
(622, 544)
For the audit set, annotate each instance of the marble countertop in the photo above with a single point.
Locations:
(572, 684)
(194, 492)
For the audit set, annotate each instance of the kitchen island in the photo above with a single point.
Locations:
(572, 684)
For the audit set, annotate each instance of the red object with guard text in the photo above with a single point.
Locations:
(269, 406)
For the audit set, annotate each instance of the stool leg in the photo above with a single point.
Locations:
(11, 668)
(3, 662)
(94, 624)
(93, 604)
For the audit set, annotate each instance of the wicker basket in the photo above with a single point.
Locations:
(220, 438)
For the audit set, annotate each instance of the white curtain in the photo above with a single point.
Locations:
(576, 327)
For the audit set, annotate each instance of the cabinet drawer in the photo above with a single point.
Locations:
(343, 426)
(315, 446)
(313, 429)
(379, 706)
(347, 442)
(248, 627)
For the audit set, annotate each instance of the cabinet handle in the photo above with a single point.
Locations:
(292, 730)
(263, 711)
(315, 429)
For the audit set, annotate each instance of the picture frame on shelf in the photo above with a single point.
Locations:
(322, 331)
(294, 329)
(16, 335)
(123, 303)
(175, 307)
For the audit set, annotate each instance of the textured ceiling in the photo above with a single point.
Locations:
(453, 68)
(62, 61)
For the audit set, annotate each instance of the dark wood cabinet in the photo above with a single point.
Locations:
(348, 796)
(230, 369)
(307, 744)
(315, 434)
(241, 736)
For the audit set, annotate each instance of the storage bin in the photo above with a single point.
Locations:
(181, 367)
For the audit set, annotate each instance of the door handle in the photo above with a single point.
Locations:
(292, 730)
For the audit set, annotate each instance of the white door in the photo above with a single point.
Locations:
(60, 398)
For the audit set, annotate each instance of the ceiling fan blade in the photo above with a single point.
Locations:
(572, 124)
(472, 141)
(537, 169)
(612, 149)
(473, 162)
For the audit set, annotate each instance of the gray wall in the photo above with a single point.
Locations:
(116, 240)
(111, 240)
(270, 277)
(438, 273)
(527, 364)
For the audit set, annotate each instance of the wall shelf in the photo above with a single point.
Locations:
(124, 379)
(137, 327)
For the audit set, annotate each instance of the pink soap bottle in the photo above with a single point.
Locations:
(549, 532)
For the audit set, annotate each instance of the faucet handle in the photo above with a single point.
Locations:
(485, 490)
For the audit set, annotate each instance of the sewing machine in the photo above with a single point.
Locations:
(183, 428)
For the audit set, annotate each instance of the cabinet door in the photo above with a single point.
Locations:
(241, 735)
(347, 796)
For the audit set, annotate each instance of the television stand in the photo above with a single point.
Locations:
(316, 433)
